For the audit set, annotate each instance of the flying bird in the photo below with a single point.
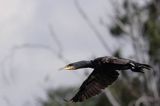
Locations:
(105, 72)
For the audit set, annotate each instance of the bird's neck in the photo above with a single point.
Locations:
(84, 64)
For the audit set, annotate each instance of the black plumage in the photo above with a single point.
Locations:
(104, 74)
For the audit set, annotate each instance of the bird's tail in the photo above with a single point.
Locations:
(138, 67)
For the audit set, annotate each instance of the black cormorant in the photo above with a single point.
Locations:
(104, 74)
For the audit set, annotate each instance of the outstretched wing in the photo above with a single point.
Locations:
(93, 85)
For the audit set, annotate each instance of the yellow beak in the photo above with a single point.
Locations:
(69, 68)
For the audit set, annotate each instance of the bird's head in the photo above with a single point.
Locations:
(78, 65)
(70, 67)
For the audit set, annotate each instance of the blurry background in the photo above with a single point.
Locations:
(38, 37)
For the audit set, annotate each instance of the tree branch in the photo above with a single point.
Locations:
(93, 27)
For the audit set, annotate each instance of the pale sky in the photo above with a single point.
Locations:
(26, 71)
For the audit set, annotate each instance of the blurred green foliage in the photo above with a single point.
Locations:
(116, 31)
(56, 98)
(152, 31)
